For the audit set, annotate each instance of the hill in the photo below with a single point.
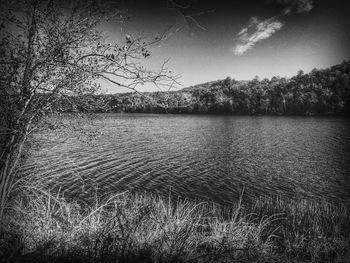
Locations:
(319, 92)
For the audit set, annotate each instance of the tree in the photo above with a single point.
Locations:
(49, 51)
(228, 82)
(300, 73)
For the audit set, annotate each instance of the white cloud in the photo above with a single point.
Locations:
(254, 32)
(296, 6)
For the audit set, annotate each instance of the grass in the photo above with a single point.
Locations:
(144, 227)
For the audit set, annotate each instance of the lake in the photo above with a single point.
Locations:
(201, 156)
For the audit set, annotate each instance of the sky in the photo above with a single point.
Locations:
(239, 39)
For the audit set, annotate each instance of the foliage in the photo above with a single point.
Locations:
(53, 50)
(319, 92)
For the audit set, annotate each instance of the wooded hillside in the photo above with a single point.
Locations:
(320, 92)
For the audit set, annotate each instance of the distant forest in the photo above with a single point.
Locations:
(320, 92)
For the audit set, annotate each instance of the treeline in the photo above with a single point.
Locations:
(319, 92)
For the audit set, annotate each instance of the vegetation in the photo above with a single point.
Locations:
(42, 227)
(47, 226)
(319, 92)
(51, 56)
(53, 50)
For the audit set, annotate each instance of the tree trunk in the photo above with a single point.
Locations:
(4, 187)
(18, 125)
(10, 159)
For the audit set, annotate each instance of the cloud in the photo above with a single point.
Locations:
(295, 6)
(254, 32)
(257, 30)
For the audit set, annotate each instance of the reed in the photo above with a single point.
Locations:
(42, 226)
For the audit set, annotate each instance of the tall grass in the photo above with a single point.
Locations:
(144, 227)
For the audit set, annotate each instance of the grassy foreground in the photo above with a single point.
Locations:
(41, 227)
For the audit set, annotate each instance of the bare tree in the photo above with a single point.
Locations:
(51, 50)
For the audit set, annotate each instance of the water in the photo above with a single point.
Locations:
(206, 157)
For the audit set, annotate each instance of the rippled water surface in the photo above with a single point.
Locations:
(211, 157)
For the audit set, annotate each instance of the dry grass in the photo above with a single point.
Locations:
(42, 227)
